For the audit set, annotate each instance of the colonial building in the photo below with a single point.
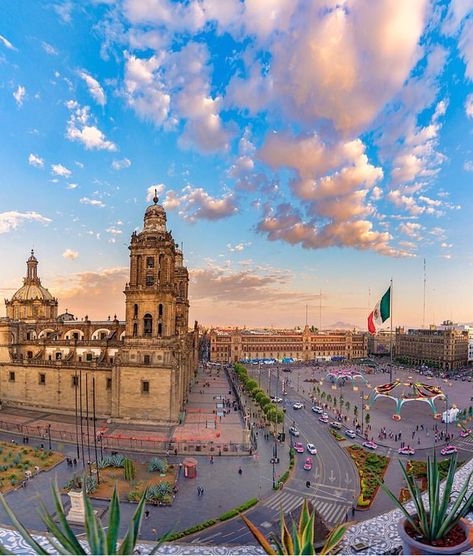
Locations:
(141, 368)
(380, 343)
(445, 348)
(231, 345)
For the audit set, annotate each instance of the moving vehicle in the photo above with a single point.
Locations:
(294, 431)
(312, 449)
(406, 451)
(323, 418)
(287, 371)
(298, 405)
(336, 425)
(276, 399)
(465, 433)
(298, 447)
(317, 409)
(308, 464)
(350, 433)
(448, 450)
(369, 444)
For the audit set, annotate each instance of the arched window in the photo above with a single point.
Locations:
(135, 311)
(135, 330)
(160, 329)
(182, 289)
(160, 310)
(148, 324)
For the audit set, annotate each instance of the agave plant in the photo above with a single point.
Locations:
(300, 539)
(434, 521)
(100, 539)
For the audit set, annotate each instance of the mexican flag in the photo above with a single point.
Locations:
(381, 312)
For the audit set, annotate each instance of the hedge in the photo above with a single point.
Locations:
(236, 511)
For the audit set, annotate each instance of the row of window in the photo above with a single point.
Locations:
(75, 381)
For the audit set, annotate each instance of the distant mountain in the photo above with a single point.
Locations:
(342, 325)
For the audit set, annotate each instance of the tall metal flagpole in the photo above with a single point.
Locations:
(391, 335)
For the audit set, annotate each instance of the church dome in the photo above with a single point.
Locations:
(30, 292)
(155, 216)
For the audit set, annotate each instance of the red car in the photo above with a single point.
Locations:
(406, 451)
(298, 447)
(308, 464)
(448, 450)
(465, 433)
(369, 444)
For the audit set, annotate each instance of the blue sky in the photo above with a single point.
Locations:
(297, 147)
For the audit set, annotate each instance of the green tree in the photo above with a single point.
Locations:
(355, 411)
(367, 418)
(347, 406)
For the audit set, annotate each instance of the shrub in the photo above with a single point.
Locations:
(90, 483)
(129, 469)
(116, 460)
(158, 464)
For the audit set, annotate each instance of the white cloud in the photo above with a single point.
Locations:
(49, 49)
(92, 202)
(94, 87)
(411, 229)
(64, 10)
(114, 231)
(19, 95)
(6, 43)
(60, 170)
(72, 186)
(197, 204)
(70, 254)
(153, 190)
(79, 129)
(120, 164)
(12, 219)
(238, 247)
(35, 160)
(469, 106)
(468, 166)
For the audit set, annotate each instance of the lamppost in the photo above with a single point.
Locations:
(446, 416)
(363, 413)
(49, 435)
(274, 478)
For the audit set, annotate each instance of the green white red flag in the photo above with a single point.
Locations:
(380, 313)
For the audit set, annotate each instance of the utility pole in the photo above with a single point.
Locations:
(363, 413)
(425, 286)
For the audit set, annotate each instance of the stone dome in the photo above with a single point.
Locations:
(155, 217)
(30, 292)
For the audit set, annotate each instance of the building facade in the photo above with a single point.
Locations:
(380, 343)
(232, 345)
(442, 348)
(141, 368)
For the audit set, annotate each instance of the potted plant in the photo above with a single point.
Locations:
(440, 526)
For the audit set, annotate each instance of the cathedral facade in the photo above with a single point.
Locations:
(140, 370)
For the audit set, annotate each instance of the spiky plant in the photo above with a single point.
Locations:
(300, 539)
(434, 521)
(100, 539)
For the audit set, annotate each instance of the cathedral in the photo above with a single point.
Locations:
(141, 368)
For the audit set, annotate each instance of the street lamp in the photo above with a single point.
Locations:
(49, 435)
(273, 461)
(363, 413)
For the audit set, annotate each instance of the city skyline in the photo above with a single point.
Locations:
(283, 174)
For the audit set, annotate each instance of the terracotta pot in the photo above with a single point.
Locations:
(411, 546)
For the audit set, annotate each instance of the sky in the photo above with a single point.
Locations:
(306, 152)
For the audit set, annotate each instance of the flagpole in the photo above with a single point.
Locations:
(391, 335)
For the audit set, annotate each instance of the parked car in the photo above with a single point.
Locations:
(308, 464)
(350, 433)
(369, 444)
(286, 371)
(406, 451)
(336, 425)
(317, 409)
(276, 399)
(465, 433)
(323, 418)
(298, 405)
(294, 431)
(448, 450)
(312, 449)
(325, 415)
(298, 447)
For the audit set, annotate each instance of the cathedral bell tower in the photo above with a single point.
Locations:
(152, 292)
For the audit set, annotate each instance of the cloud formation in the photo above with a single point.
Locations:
(121, 164)
(19, 95)
(35, 160)
(12, 219)
(60, 170)
(70, 254)
(79, 129)
(92, 202)
(95, 89)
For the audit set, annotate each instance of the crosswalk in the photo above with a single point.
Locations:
(332, 512)
(466, 443)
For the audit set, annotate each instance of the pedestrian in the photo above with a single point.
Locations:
(353, 511)
(74, 461)
(201, 491)
(240, 471)
(146, 514)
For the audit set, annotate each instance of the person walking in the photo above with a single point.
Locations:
(240, 471)
(146, 514)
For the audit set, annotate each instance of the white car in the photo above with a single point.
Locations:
(350, 433)
(312, 449)
(370, 445)
(276, 399)
(317, 409)
(406, 451)
(323, 418)
(336, 425)
(448, 450)
(298, 405)
(294, 431)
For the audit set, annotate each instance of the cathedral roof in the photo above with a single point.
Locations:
(32, 291)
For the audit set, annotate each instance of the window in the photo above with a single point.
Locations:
(58, 355)
(135, 330)
(149, 262)
(29, 355)
(109, 384)
(149, 279)
(12, 376)
(135, 311)
(160, 310)
(148, 324)
(75, 336)
(147, 359)
(88, 357)
(42, 379)
(144, 387)
(75, 381)
(160, 329)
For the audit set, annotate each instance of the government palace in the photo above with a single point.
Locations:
(139, 370)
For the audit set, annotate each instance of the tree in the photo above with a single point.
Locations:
(323, 395)
(347, 406)
(355, 411)
(367, 418)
